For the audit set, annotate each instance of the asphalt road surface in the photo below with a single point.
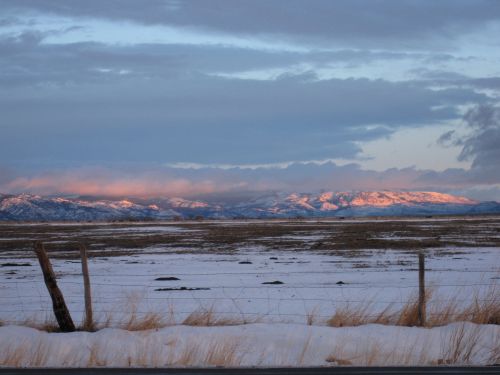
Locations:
(258, 371)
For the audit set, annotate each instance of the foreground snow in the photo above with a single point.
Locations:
(253, 345)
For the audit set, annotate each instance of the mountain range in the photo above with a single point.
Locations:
(26, 207)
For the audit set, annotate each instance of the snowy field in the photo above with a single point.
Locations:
(276, 277)
(233, 284)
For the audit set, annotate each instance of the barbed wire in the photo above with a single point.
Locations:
(235, 290)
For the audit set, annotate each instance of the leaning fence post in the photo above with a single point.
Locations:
(61, 312)
(421, 289)
(89, 321)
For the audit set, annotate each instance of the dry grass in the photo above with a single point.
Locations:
(47, 324)
(359, 314)
(143, 322)
(26, 354)
(312, 316)
(149, 352)
(131, 315)
(207, 317)
(95, 359)
(223, 353)
(494, 351)
(461, 347)
(408, 315)
(303, 352)
(349, 315)
(484, 309)
(370, 354)
(14, 355)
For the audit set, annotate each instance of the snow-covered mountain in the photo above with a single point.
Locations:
(27, 207)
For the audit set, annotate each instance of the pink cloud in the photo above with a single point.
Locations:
(110, 185)
(185, 182)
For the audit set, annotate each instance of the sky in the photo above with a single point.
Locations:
(196, 97)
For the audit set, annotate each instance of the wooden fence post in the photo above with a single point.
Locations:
(421, 289)
(61, 312)
(89, 321)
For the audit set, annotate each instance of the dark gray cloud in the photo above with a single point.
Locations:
(26, 60)
(453, 79)
(159, 103)
(395, 22)
(482, 145)
(95, 102)
(198, 118)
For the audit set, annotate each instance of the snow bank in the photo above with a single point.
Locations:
(252, 345)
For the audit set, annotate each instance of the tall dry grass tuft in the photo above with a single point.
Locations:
(461, 346)
(188, 355)
(348, 315)
(359, 314)
(224, 353)
(133, 316)
(143, 322)
(408, 314)
(221, 353)
(483, 309)
(207, 317)
(47, 325)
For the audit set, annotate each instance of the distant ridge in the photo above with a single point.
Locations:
(26, 207)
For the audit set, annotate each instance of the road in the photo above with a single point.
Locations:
(259, 371)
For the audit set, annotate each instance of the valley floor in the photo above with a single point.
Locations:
(266, 293)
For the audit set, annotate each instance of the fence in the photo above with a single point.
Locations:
(281, 289)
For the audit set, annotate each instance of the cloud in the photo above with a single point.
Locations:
(102, 181)
(229, 182)
(403, 23)
(480, 144)
(189, 182)
(91, 102)
(447, 139)
(63, 106)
